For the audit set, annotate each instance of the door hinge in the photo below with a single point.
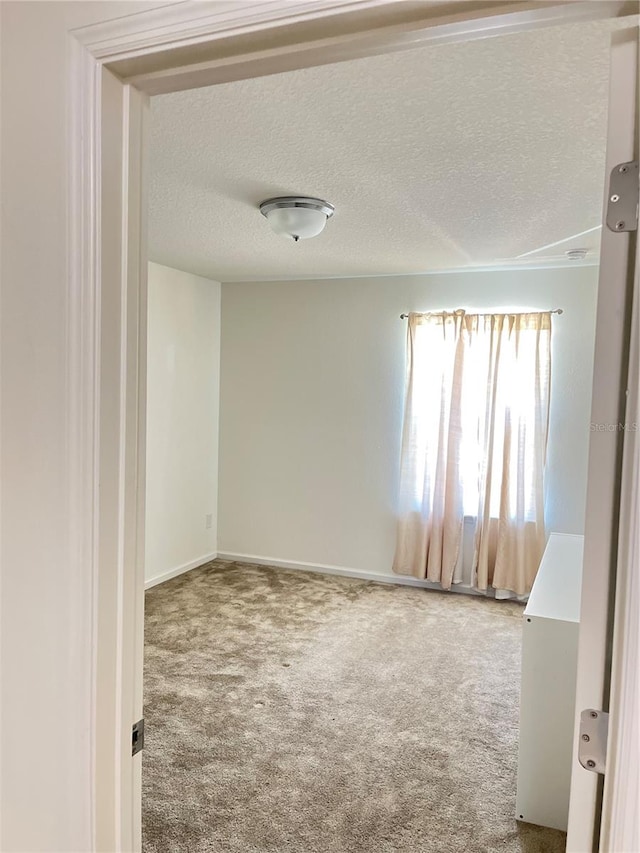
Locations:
(137, 737)
(624, 189)
(592, 749)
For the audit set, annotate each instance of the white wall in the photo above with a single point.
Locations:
(183, 392)
(311, 406)
(47, 601)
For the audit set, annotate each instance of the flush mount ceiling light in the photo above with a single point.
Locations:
(297, 217)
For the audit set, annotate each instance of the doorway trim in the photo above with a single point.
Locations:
(114, 67)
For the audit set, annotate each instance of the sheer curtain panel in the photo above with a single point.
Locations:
(473, 446)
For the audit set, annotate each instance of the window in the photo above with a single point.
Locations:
(475, 431)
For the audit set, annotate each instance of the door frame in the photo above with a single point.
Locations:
(113, 67)
(605, 528)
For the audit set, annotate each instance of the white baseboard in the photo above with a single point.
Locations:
(387, 577)
(173, 573)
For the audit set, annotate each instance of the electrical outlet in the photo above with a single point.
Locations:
(208, 519)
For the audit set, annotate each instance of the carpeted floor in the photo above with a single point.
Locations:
(289, 711)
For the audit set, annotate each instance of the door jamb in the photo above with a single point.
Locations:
(611, 354)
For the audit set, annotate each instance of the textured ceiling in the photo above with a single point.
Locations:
(441, 157)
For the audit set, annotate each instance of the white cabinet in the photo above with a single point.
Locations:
(549, 665)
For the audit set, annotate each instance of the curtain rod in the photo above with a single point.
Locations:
(443, 313)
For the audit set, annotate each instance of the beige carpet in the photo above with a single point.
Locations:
(289, 711)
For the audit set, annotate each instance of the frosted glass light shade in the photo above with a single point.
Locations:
(296, 217)
(301, 222)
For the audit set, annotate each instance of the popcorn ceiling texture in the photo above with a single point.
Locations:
(291, 712)
(439, 157)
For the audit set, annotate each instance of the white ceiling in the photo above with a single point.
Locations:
(442, 157)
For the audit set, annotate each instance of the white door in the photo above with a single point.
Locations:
(604, 536)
